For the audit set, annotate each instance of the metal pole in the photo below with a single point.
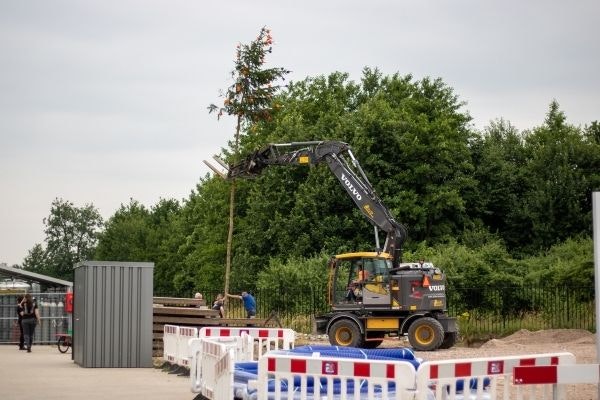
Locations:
(596, 233)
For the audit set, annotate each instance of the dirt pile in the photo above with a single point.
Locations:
(525, 337)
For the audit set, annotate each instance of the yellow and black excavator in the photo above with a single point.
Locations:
(371, 294)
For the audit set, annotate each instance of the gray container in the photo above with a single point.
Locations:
(112, 314)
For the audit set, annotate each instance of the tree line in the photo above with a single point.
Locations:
(497, 206)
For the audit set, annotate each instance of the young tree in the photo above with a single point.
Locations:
(249, 99)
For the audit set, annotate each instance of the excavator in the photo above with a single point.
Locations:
(370, 294)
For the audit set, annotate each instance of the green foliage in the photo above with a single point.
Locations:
(126, 234)
(71, 236)
(535, 187)
(296, 275)
(37, 261)
(135, 233)
(557, 203)
(570, 263)
(203, 223)
(500, 157)
(393, 125)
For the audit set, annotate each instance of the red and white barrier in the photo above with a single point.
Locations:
(374, 374)
(183, 348)
(444, 375)
(213, 362)
(267, 338)
(557, 375)
(170, 341)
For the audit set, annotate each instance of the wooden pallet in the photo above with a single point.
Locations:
(194, 313)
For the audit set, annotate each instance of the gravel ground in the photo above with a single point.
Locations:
(581, 343)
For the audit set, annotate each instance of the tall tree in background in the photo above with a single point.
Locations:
(500, 158)
(37, 260)
(563, 174)
(411, 138)
(249, 98)
(136, 233)
(71, 237)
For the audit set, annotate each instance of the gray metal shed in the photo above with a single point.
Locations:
(112, 314)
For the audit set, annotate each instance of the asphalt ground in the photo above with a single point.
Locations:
(45, 373)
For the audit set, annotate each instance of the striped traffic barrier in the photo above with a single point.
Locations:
(479, 377)
(267, 338)
(170, 341)
(213, 362)
(285, 376)
(183, 350)
(556, 376)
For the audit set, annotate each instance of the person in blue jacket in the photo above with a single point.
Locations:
(249, 303)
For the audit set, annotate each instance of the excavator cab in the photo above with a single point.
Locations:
(360, 280)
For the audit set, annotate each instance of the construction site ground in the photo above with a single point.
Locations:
(47, 374)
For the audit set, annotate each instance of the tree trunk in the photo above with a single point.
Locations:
(231, 214)
(229, 242)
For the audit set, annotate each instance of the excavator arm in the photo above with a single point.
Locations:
(342, 163)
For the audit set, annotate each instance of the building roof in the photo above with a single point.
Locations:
(12, 272)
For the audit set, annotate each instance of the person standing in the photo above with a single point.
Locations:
(31, 317)
(249, 303)
(218, 305)
(20, 322)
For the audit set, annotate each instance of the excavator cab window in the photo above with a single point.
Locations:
(342, 280)
(376, 287)
(356, 277)
(348, 282)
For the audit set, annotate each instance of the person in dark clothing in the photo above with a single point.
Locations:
(31, 317)
(19, 321)
(218, 305)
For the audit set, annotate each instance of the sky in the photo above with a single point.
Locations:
(106, 101)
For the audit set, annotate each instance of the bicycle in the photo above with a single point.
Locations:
(64, 342)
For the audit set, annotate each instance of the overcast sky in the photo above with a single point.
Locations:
(103, 101)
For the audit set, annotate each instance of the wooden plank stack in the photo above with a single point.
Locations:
(190, 312)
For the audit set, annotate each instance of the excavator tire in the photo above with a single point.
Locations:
(345, 333)
(426, 334)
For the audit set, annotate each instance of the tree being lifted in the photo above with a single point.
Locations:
(250, 99)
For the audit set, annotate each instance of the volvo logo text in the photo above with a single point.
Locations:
(351, 187)
(437, 288)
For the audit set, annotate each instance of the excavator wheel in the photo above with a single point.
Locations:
(426, 334)
(346, 333)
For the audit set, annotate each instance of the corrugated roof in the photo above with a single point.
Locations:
(32, 276)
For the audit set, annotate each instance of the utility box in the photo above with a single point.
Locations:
(112, 314)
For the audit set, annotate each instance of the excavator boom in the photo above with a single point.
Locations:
(341, 161)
